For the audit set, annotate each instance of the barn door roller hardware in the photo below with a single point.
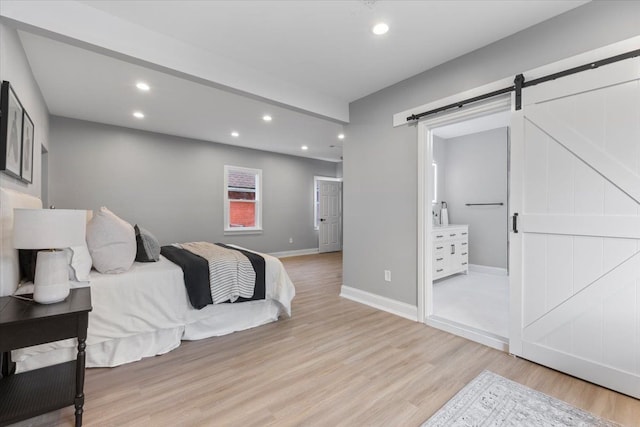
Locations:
(461, 103)
(519, 83)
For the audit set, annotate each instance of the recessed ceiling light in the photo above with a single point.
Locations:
(138, 115)
(380, 29)
(266, 118)
(341, 136)
(235, 134)
(304, 148)
(142, 86)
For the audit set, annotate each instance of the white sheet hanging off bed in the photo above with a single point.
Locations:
(146, 311)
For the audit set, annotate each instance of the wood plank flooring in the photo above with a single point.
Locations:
(334, 363)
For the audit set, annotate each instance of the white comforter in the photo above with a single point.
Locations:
(148, 306)
(152, 296)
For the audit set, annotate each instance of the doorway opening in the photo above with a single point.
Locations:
(465, 224)
(470, 276)
(328, 213)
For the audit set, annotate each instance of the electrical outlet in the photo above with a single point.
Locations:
(290, 239)
(387, 275)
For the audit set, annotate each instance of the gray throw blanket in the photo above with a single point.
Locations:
(231, 273)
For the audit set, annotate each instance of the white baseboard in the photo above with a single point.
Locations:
(496, 271)
(473, 334)
(298, 252)
(389, 305)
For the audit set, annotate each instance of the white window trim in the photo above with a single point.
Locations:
(258, 202)
(316, 224)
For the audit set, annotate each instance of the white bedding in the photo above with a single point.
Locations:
(146, 311)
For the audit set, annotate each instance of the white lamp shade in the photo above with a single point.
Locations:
(48, 228)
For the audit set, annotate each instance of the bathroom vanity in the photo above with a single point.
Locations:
(450, 250)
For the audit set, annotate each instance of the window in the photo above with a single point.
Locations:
(242, 199)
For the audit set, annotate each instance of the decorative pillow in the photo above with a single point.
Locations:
(111, 242)
(148, 248)
(79, 263)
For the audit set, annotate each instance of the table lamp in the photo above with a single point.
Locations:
(54, 230)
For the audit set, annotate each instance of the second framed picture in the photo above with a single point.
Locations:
(26, 169)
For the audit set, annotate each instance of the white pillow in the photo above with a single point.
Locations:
(111, 242)
(79, 263)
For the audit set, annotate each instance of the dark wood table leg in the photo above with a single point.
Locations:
(8, 367)
(80, 363)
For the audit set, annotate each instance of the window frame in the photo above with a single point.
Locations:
(257, 229)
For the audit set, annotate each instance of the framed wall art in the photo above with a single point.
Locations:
(10, 131)
(26, 169)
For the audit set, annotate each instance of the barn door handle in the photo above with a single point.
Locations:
(515, 223)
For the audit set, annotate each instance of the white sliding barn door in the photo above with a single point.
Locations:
(575, 165)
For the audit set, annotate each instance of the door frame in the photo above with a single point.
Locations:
(426, 130)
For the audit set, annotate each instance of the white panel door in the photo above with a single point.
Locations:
(575, 165)
(330, 238)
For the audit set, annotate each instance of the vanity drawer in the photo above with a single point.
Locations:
(440, 235)
(463, 260)
(439, 248)
(439, 266)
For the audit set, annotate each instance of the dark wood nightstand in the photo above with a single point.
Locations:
(27, 323)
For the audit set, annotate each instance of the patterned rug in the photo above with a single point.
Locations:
(491, 400)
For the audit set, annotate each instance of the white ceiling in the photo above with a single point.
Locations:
(328, 45)
(218, 66)
(85, 85)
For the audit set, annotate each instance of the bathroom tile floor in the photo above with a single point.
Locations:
(476, 299)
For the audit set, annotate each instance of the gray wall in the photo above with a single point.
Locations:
(476, 172)
(14, 67)
(380, 162)
(174, 186)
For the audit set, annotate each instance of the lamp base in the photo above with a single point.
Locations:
(51, 282)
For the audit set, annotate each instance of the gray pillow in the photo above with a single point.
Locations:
(148, 248)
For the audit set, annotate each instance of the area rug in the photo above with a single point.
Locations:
(491, 400)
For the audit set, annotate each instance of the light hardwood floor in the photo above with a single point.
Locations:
(334, 363)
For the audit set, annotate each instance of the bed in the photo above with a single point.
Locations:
(142, 312)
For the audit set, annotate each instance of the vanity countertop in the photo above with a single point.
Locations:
(444, 227)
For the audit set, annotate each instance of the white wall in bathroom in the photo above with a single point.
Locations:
(475, 171)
